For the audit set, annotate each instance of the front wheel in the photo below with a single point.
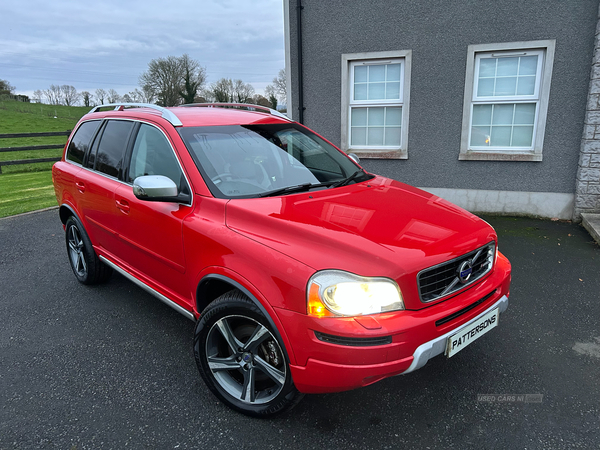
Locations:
(241, 359)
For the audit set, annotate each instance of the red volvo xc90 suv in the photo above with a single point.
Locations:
(303, 272)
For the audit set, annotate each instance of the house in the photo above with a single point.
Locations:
(493, 105)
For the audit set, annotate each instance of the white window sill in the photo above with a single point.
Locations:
(499, 155)
(379, 154)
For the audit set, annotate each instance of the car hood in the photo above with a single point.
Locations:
(376, 228)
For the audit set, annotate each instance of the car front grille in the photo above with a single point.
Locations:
(446, 278)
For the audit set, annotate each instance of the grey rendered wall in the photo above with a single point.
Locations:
(438, 33)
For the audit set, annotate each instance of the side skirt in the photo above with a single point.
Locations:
(148, 289)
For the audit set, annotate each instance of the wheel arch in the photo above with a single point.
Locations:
(65, 211)
(213, 285)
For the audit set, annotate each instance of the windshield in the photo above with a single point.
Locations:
(240, 161)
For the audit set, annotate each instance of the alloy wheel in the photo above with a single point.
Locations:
(245, 359)
(76, 251)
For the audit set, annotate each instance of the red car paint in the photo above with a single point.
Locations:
(270, 247)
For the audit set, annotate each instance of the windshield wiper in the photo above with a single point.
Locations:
(309, 186)
(345, 181)
(289, 190)
(296, 188)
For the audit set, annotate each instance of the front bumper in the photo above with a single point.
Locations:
(437, 346)
(413, 337)
(321, 376)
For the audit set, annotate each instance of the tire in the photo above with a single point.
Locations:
(86, 265)
(241, 360)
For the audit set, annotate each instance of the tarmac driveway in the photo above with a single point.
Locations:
(112, 367)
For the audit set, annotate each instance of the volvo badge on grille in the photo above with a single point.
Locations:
(464, 271)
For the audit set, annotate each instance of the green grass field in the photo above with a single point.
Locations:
(28, 187)
(24, 192)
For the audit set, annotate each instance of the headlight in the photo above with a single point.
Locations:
(338, 293)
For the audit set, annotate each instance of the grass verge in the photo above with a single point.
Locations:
(24, 192)
(19, 117)
(28, 187)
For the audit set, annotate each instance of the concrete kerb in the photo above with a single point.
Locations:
(30, 212)
(591, 222)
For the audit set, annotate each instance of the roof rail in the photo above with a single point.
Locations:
(166, 114)
(241, 105)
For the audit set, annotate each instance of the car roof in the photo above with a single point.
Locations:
(191, 116)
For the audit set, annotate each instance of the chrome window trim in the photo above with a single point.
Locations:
(110, 177)
(176, 158)
(99, 136)
(72, 162)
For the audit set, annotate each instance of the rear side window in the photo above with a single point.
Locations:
(81, 141)
(109, 156)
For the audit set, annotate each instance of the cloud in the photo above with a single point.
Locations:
(109, 43)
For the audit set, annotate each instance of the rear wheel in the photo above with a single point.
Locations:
(241, 360)
(86, 265)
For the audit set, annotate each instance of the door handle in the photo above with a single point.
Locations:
(123, 205)
(80, 185)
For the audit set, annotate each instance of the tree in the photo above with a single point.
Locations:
(280, 84)
(194, 78)
(273, 101)
(136, 96)
(167, 77)
(242, 92)
(37, 95)
(68, 95)
(6, 88)
(277, 89)
(53, 94)
(87, 98)
(127, 99)
(262, 101)
(222, 91)
(113, 96)
(100, 95)
(143, 96)
(148, 94)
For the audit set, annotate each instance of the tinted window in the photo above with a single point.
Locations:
(253, 160)
(153, 155)
(81, 141)
(109, 158)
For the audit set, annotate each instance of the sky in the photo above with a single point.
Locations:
(108, 43)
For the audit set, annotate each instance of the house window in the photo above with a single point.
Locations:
(506, 100)
(375, 91)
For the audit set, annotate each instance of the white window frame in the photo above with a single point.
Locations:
(349, 61)
(545, 51)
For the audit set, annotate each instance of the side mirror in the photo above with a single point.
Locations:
(354, 158)
(156, 188)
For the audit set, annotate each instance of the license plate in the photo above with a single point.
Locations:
(471, 333)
